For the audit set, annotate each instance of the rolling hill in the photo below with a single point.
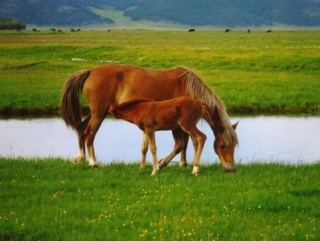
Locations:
(217, 13)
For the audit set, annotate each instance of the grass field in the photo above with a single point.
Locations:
(253, 73)
(52, 199)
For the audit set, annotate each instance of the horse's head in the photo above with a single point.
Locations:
(224, 146)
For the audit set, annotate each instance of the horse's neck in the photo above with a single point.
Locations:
(214, 119)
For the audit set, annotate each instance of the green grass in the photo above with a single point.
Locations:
(253, 73)
(52, 199)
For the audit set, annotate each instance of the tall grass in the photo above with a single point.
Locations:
(252, 73)
(52, 199)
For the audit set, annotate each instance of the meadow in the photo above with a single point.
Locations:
(256, 73)
(52, 199)
(253, 73)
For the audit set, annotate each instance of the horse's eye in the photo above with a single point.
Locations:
(222, 146)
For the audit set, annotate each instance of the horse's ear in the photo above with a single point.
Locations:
(235, 125)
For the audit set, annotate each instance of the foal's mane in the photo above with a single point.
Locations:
(197, 89)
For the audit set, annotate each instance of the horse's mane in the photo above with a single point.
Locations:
(197, 89)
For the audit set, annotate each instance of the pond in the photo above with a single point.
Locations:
(292, 140)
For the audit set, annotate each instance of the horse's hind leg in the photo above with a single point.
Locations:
(89, 135)
(81, 141)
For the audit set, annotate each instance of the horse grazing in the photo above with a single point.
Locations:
(150, 116)
(107, 84)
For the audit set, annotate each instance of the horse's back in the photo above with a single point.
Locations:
(123, 72)
(120, 82)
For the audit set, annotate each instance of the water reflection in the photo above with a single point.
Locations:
(264, 139)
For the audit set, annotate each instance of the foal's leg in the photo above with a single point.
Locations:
(153, 148)
(180, 145)
(184, 145)
(144, 150)
(90, 133)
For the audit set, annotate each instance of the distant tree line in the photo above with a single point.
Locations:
(8, 24)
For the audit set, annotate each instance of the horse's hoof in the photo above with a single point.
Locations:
(79, 158)
(161, 164)
(94, 165)
(77, 161)
(154, 172)
(195, 171)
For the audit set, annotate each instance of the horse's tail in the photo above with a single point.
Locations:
(70, 100)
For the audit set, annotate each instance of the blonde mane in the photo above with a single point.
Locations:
(197, 89)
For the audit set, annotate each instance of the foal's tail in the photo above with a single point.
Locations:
(70, 100)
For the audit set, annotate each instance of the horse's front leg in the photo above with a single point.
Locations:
(153, 148)
(144, 150)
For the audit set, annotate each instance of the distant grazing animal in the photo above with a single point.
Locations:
(117, 83)
(78, 30)
(72, 30)
(228, 30)
(269, 31)
(249, 30)
(35, 30)
(150, 116)
(58, 30)
(191, 30)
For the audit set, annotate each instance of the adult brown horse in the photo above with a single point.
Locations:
(150, 116)
(111, 83)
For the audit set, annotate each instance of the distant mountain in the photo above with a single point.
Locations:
(51, 12)
(219, 13)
